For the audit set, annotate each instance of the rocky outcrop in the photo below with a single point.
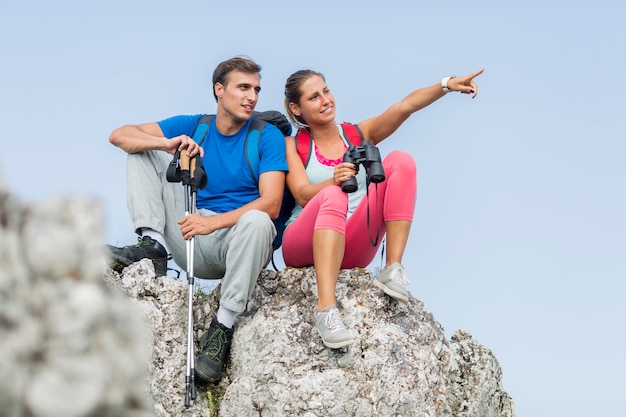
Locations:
(75, 344)
(401, 363)
(475, 380)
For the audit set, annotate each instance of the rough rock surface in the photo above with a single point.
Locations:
(475, 380)
(400, 365)
(74, 344)
(70, 345)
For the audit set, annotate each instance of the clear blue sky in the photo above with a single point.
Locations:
(519, 232)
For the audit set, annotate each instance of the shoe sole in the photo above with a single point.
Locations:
(338, 345)
(207, 379)
(393, 294)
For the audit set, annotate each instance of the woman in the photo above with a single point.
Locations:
(327, 228)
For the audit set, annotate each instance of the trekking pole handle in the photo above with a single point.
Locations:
(188, 171)
(192, 167)
(188, 163)
(184, 161)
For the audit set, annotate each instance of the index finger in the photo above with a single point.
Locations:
(476, 74)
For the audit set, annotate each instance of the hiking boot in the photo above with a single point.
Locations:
(393, 281)
(334, 333)
(146, 247)
(215, 344)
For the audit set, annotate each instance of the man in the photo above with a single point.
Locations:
(233, 229)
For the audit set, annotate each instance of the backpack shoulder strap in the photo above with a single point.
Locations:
(251, 148)
(251, 144)
(202, 128)
(352, 133)
(304, 143)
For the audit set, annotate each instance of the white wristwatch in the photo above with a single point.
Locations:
(444, 83)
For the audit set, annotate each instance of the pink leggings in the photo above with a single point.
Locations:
(327, 211)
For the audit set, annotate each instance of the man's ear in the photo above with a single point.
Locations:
(218, 89)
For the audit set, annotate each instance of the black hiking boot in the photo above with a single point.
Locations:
(215, 344)
(146, 247)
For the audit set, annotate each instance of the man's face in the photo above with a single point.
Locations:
(239, 95)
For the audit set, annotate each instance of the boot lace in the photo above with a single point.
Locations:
(216, 344)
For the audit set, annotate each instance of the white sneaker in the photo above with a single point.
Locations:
(335, 334)
(393, 281)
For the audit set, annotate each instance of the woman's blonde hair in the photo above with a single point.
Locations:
(293, 94)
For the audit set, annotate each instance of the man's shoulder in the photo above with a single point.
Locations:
(183, 118)
(271, 128)
(183, 124)
(270, 132)
(275, 118)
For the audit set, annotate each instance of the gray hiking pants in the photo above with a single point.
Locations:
(236, 255)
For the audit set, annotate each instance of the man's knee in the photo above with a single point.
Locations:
(258, 222)
(254, 217)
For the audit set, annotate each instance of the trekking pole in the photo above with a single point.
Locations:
(189, 171)
(187, 168)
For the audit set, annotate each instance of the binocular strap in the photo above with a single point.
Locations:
(374, 242)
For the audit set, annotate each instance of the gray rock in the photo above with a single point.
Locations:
(475, 380)
(70, 345)
(401, 363)
(74, 344)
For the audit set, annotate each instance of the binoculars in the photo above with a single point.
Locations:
(369, 156)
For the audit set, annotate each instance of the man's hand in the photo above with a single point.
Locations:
(194, 224)
(183, 142)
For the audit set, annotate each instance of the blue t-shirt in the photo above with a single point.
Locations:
(230, 184)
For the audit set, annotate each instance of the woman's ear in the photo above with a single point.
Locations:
(295, 110)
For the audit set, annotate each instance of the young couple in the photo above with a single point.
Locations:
(233, 229)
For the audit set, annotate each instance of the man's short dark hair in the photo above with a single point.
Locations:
(220, 75)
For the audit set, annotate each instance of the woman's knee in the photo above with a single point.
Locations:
(402, 161)
(333, 196)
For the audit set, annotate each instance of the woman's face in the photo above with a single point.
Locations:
(317, 103)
